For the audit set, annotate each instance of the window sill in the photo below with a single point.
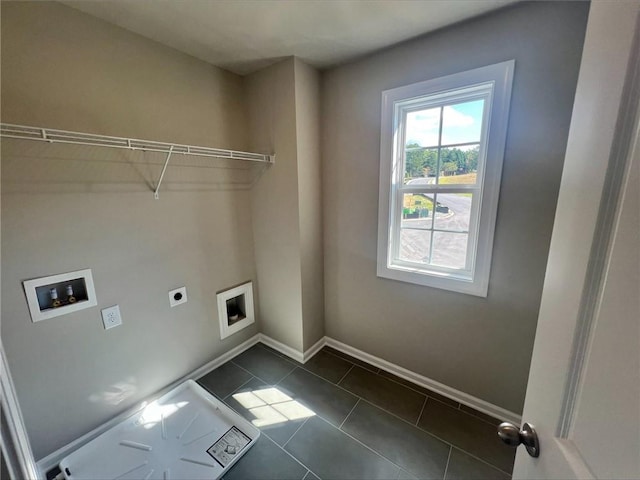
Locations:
(477, 287)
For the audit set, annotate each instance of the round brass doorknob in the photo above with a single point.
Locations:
(513, 436)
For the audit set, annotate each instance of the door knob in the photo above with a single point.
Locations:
(513, 436)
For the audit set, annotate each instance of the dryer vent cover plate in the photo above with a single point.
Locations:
(187, 433)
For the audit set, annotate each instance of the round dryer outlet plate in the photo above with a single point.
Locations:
(178, 296)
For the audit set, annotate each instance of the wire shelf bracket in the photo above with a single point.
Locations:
(50, 135)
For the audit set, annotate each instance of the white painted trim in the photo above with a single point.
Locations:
(302, 357)
(224, 358)
(53, 459)
(282, 348)
(21, 462)
(308, 355)
(449, 392)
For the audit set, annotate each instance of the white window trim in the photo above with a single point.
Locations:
(501, 76)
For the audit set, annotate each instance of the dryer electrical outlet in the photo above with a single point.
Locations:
(178, 296)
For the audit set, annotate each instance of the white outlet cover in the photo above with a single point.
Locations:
(111, 317)
(178, 296)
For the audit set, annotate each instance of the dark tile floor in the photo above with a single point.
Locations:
(336, 417)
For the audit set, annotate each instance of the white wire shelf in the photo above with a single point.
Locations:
(23, 132)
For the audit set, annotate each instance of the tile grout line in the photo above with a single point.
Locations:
(375, 452)
(294, 433)
(468, 414)
(446, 442)
(446, 468)
(377, 406)
(349, 414)
(251, 373)
(352, 362)
(287, 452)
(384, 376)
(379, 453)
(242, 368)
(478, 417)
(454, 446)
(295, 367)
(424, 404)
(397, 476)
(384, 410)
(331, 383)
(286, 376)
(475, 457)
(459, 405)
(345, 375)
(278, 354)
(403, 384)
(237, 388)
(277, 445)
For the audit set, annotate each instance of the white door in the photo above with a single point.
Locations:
(583, 396)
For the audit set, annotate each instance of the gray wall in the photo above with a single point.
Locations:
(272, 127)
(283, 111)
(67, 208)
(310, 201)
(481, 346)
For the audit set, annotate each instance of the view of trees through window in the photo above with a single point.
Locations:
(441, 149)
(423, 162)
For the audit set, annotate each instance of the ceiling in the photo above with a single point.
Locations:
(245, 35)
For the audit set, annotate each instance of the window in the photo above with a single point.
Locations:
(441, 154)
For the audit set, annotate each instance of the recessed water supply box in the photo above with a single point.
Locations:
(55, 295)
(235, 309)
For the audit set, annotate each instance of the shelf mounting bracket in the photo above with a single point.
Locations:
(164, 169)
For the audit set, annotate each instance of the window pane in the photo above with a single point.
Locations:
(449, 249)
(453, 211)
(415, 245)
(417, 210)
(462, 122)
(459, 165)
(420, 166)
(423, 128)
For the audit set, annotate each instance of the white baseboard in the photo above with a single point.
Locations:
(449, 392)
(53, 459)
(216, 362)
(314, 349)
(290, 352)
(282, 348)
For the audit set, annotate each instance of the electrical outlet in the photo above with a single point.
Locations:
(178, 296)
(111, 317)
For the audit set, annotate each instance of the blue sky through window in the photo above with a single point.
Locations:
(462, 123)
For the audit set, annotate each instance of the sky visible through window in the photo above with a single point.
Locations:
(462, 123)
